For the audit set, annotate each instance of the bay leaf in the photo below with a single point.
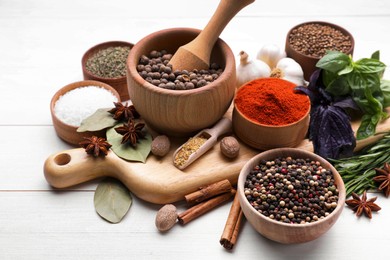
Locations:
(99, 120)
(126, 151)
(112, 200)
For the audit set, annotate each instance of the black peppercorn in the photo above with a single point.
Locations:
(158, 62)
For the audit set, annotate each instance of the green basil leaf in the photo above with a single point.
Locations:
(346, 70)
(334, 61)
(369, 66)
(99, 120)
(367, 126)
(112, 200)
(366, 91)
(126, 151)
(339, 87)
(375, 55)
(365, 86)
(328, 77)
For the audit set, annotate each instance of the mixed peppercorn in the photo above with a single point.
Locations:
(291, 190)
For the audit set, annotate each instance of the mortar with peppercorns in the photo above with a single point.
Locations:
(173, 102)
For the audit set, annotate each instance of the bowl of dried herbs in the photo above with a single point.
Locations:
(106, 62)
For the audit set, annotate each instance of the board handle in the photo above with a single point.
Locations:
(75, 166)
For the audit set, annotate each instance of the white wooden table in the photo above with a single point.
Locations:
(41, 45)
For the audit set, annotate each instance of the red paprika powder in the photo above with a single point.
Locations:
(271, 101)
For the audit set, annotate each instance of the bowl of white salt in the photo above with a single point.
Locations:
(75, 102)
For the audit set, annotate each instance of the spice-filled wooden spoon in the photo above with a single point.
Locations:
(196, 54)
(200, 143)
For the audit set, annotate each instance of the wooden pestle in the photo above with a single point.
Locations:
(196, 54)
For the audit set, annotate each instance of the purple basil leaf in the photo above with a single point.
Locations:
(331, 132)
(315, 80)
(346, 103)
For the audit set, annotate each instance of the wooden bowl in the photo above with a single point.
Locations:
(67, 132)
(308, 63)
(284, 232)
(120, 83)
(180, 112)
(264, 137)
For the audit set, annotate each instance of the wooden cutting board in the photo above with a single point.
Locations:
(158, 180)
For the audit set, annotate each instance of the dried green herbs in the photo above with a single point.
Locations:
(109, 63)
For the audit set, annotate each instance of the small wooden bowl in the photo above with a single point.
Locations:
(180, 112)
(67, 132)
(283, 232)
(119, 84)
(308, 63)
(264, 137)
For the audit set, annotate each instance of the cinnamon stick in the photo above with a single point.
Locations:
(232, 226)
(203, 207)
(207, 192)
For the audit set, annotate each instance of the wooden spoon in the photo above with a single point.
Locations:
(196, 54)
(223, 126)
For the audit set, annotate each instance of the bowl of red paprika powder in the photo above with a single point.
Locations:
(268, 113)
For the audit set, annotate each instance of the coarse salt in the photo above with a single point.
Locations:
(77, 104)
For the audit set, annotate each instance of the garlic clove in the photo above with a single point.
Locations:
(249, 69)
(271, 54)
(291, 71)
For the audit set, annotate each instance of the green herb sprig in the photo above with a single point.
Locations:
(357, 171)
(362, 80)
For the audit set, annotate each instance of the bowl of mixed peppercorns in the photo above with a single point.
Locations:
(106, 62)
(290, 195)
(308, 42)
(179, 102)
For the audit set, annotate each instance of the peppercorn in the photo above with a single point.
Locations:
(155, 67)
(291, 190)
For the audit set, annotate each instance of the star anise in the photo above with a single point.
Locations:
(95, 145)
(124, 112)
(131, 132)
(383, 176)
(360, 205)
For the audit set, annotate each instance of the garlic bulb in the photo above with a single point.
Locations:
(290, 70)
(249, 70)
(270, 54)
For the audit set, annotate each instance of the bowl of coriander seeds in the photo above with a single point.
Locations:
(308, 42)
(290, 195)
(106, 62)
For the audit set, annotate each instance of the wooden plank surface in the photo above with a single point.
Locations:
(41, 45)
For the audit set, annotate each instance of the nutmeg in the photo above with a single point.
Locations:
(230, 147)
(166, 217)
(160, 145)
